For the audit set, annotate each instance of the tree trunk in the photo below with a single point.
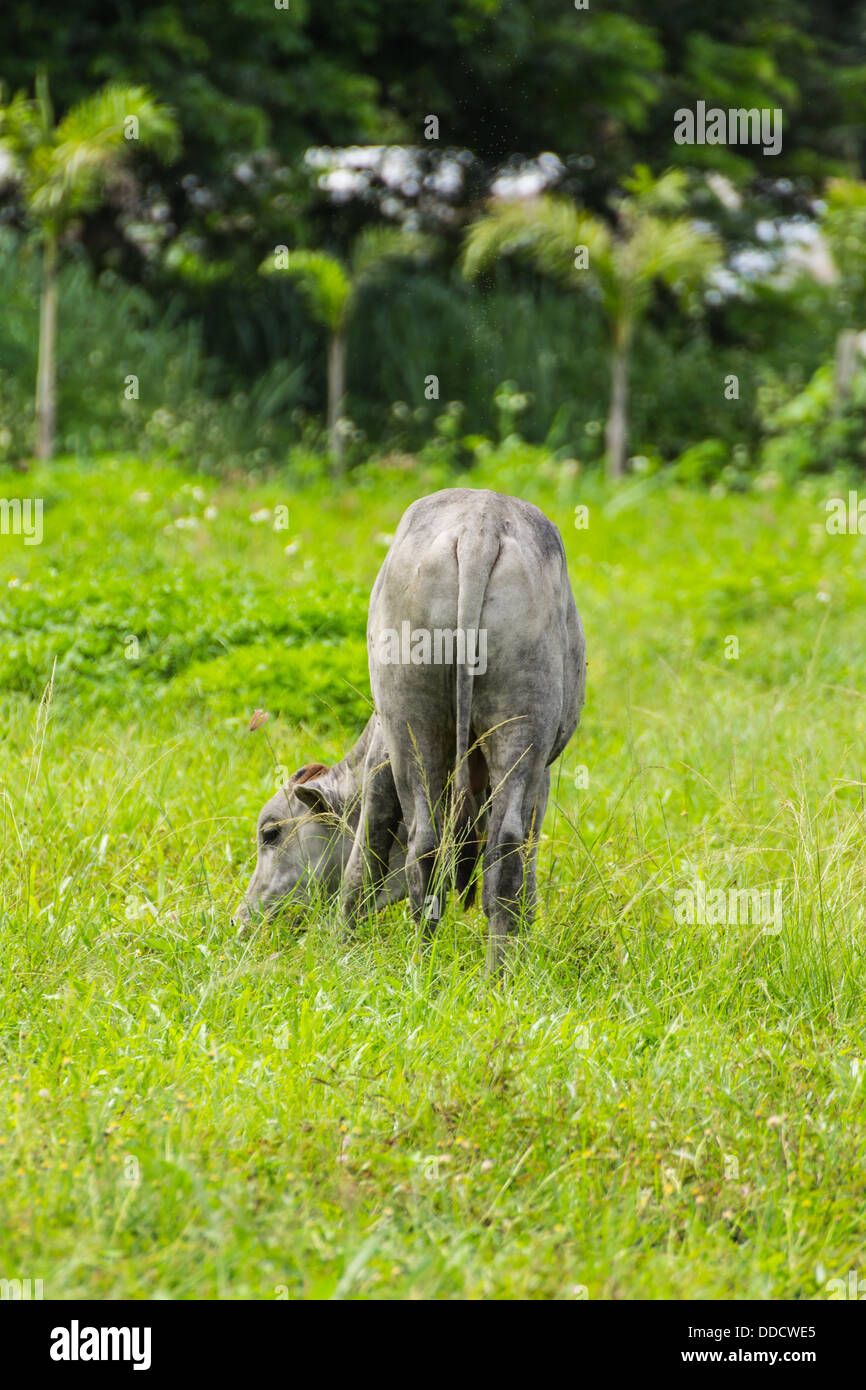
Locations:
(46, 373)
(847, 347)
(336, 392)
(616, 430)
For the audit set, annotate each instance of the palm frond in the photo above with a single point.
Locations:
(674, 251)
(322, 279)
(375, 247)
(20, 124)
(665, 193)
(90, 144)
(544, 230)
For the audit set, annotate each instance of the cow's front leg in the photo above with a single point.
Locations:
(367, 866)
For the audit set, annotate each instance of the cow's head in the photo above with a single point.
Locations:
(302, 842)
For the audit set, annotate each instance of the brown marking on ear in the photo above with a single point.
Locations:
(307, 774)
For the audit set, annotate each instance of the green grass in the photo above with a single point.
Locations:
(646, 1109)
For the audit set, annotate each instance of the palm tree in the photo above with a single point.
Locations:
(331, 289)
(64, 169)
(648, 244)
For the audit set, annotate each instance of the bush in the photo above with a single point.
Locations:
(702, 462)
(811, 432)
(109, 331)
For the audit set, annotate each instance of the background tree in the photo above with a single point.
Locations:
(844, 227)
(598, 89)
(331, 289)
(64, 170)
(262, 97)
(648, 245)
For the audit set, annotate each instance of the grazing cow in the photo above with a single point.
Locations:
(478, 671)
(306, 831)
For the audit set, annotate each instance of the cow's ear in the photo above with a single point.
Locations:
(316, 788)
(307, 773)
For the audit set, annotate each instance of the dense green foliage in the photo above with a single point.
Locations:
(189, 410)
(254, 88)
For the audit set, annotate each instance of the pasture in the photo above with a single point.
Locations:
(648, 1108)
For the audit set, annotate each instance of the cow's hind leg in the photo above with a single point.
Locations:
(424, 876)
(515, 816)
(420, 773)
(534, 807)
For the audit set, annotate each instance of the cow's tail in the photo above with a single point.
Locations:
(477, 553)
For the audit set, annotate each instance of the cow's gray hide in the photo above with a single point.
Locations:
(451, 749)
(306, 831)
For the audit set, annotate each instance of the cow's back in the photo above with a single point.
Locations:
(496, 564)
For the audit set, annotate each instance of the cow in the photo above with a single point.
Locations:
(478, 674)
(306, 831)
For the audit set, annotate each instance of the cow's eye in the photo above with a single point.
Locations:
(270, 832)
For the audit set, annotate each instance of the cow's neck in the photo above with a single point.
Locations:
(349, 771)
